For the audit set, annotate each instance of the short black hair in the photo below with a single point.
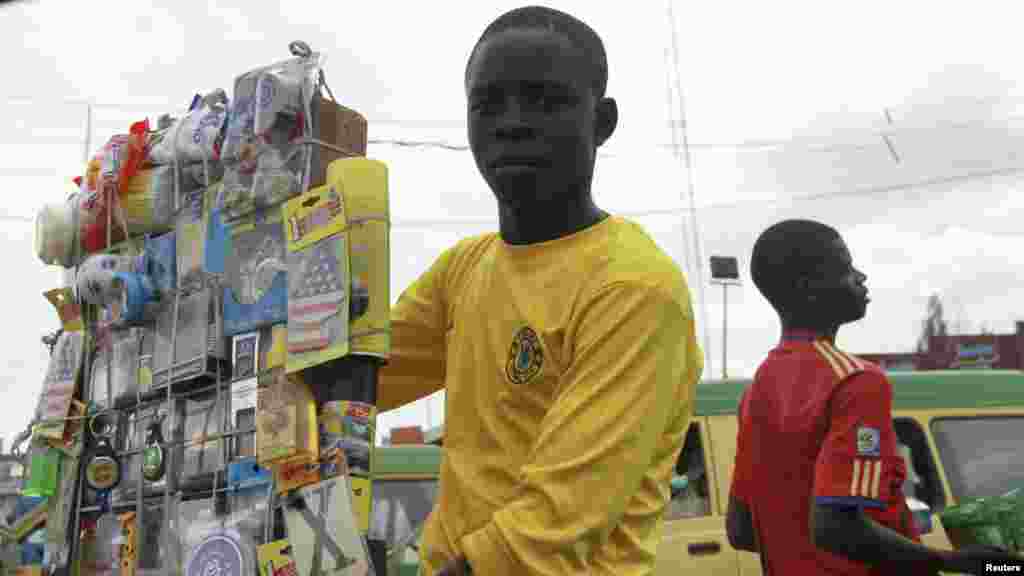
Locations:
(575, 30)
(787, 251)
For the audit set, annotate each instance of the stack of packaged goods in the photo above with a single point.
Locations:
(210, 396)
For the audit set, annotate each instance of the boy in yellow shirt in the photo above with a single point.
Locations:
(565, 342)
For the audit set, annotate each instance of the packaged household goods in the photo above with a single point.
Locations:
(101, 188)
(256, 291)
(59, 385)
(347, 432)
(264, 165)
(68, 308)
(363, 185)
(96, 281)
(329, 500)
(285, 419)
(56, 233)
(250, 355)
(192, 228)
(195, 137)
(318, 278)
(276, 559)
(117, 352)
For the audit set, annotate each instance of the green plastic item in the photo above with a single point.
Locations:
(996, 521)
(44, 473)
(1012, 518)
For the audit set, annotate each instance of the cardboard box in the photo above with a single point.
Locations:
(340, 126)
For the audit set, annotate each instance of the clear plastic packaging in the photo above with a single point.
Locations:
(204, 418)
(272, 108)
(195, 137)
(123, 346)
(56, 234)
(212, 542)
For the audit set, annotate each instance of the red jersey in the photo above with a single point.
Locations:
(816, 425)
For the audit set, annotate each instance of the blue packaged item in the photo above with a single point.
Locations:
(138, 295)
(256, 274)
(247, 473)
(159, 262)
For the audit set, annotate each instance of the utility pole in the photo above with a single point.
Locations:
(725, 271)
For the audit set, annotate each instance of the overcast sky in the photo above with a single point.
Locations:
(785, 107)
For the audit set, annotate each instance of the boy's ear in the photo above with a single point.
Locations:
(606, 118)
(804, 289)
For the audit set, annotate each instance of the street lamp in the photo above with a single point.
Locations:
(725, 270)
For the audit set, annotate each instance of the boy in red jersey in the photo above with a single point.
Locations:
(817, 485)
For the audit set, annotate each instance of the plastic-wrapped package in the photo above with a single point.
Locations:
(105, 177)
(56, 233)
(204, 418)
(96, 280)
(195, 137)
(250, 491)
(123, 345)
(101, 546)
(264, 166)
(212, 543)
(137, 428)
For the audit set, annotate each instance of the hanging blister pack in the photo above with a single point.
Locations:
(256, 273)
(323, 531)
(265, 162)
(318, 278)
(59, 385)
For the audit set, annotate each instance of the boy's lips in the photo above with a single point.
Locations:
(517, 162)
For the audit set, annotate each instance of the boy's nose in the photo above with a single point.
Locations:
(512, 125)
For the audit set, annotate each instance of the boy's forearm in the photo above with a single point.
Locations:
(853, 535)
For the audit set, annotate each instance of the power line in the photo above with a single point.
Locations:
(681, 210)
(808, 144)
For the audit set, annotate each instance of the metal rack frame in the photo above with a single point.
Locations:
(172, 493)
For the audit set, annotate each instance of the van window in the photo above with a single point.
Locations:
(983, 456)
(400, 507)
(922, 481)
(689, 486)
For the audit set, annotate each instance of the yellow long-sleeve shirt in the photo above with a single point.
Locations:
(570, 368)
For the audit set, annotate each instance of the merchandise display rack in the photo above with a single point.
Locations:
(127, 417)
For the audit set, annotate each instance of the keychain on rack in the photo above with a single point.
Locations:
(102, 468)
(153, 462)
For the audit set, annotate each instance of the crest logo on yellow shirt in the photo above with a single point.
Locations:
(525, 358)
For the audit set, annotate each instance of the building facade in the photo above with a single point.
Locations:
(996, 351)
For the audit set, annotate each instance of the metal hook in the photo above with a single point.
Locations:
(300, 49)
(103, 419)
